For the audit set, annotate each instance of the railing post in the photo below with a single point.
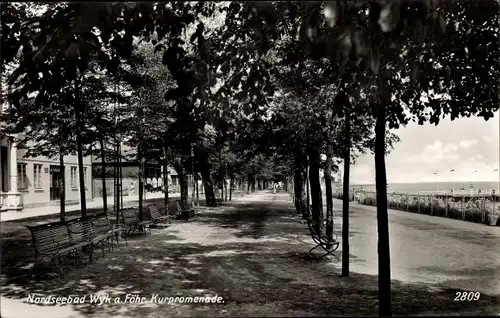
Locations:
(418, 202)
(431, 203)
(462, 208)
(446, 205)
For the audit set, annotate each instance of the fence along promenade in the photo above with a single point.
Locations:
(473, 206)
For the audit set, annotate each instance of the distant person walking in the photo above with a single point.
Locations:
(274, 188)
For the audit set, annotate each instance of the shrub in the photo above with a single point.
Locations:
(473, 215)
(425, 209)
(439, 211)
(413, 208)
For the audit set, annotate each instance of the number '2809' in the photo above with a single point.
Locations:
(467, 296)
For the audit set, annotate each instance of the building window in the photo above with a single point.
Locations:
(74, 180)
(22, 177)
(85, 177)
(37, 176)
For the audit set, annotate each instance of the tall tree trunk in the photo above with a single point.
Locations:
(193, 194)
(120, 175)
(183, 182)
(329, 195)
(384, 257)
(208, 186)
(197, 194)
(308, 192)
(231, 187)
(249, 183)
(253, 183)
(300, 206)
(314, 179)
(79, 145)
(221, 184)
(115, 182)
(103, 176)
(225, 189)
(345, 197)
(184, 189)
(165, 179)
(62, 188)
(141, 181)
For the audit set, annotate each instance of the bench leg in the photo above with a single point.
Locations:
(102, 247)
(91, 247)
(38, 262)
(130, 229)
(58, 262)
(76, 253)
(111, 245)
(116, 235)
(312, 249)
(329, 253)
(37, 259)
(124, 237)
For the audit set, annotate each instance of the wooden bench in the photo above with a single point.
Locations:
(220, 201)
(157, 218)
(130, 219)
(183, 212)
(104, 232)
(54, 240)
(80, 230)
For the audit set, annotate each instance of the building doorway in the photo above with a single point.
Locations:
(55, 182)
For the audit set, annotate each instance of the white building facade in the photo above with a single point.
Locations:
(10, 198)
(32, 182)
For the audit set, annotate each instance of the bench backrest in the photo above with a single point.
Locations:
(101, 225)
(47, 237)
(153, 211)
(81, 229)
(312, 228)
(129, 216)
(180, 206)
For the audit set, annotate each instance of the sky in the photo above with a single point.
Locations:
(469, 146)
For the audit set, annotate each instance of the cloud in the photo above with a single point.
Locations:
(466, 144)
(436, 146)
(487, 139)
(450, 147)
(435, 153)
